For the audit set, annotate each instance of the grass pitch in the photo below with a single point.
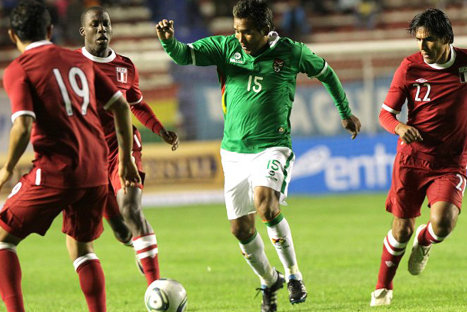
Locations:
(338, 241)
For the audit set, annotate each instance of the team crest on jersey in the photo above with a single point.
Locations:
(237, 58)
(122, 74)
(277, 65)
(463, 74)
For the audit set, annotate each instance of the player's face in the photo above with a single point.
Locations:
(251, 38)
(97, 31)
(433, 49)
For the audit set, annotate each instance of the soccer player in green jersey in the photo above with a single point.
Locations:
(257, 71)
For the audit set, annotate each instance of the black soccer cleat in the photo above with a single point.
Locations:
(297, 291)
(269, 303)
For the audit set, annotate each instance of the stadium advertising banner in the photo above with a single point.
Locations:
(341, 165)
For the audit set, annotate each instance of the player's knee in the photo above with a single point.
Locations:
(242, 233)
(402, 234)
(443, 226)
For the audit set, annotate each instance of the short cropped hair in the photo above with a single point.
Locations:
(257, 11)
(29, 20)
(93, 8)
(436, 22)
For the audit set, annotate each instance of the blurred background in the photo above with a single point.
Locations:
(363, 40)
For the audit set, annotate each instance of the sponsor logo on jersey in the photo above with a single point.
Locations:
(277, 65)
(421, 80)
(462, 74)
(237, 58)
(122, 74)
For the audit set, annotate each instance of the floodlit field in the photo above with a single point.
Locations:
(338, 241)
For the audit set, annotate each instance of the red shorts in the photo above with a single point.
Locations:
(111, 209)
(414, 179)
(32, 208)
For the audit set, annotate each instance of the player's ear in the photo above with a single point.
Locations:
(50, 30)
(81, 31)
(13, 36)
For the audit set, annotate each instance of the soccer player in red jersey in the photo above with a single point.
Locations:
(432, 147)
(53, 95)
(96, 30)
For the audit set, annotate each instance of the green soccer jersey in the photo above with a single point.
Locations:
(258, 91)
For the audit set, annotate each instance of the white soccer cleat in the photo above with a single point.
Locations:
(381, 297)
(419, 255)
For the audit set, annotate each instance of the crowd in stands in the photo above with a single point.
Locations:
(294, 18)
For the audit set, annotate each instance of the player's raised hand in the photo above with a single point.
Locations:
(128, 173)
(165, 29)
(169, 137)
(352, 125)
(407, 133)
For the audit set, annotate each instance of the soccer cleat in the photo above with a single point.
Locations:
(419, 255)
(297, 291)
(269, 303)
(381, 297)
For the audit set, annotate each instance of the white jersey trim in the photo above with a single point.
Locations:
(38, 176)
(37, 44)
(192, 51)
(97, 59)
(389, 109)
(115, 97)
(137, 141)
(87, 257)
(23, 112)
(447, 64)
(137, 102)
(325, 68)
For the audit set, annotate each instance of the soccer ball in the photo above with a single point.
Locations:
(165, 295)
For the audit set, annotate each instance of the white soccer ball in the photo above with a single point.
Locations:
(166, 295)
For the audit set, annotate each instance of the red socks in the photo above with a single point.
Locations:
(392, 255)
(427, 236)
(146, 251)
(10, 278)
(92, 281)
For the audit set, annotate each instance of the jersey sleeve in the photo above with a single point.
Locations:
(397, 93)
(203, 52)
(134, 94)
(106, 91)
(16, 85)
(316, 67)
(146, 116)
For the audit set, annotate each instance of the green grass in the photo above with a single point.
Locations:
(338, 240)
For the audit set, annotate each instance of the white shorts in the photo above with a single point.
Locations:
(243, 172)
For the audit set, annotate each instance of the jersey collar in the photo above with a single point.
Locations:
(448, 63)
(97, 59)
(37, 44)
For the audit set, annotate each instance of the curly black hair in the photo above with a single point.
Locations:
(257, 11)
(436, 22)
(30, 20)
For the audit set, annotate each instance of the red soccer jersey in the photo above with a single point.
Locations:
(57, 87)
(436, 97)
(124, 75)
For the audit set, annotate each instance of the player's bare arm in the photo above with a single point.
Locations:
(19, 138)
(165, 29)
(169, 137)
(128, 171)
(407, 133)
(352, 125)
